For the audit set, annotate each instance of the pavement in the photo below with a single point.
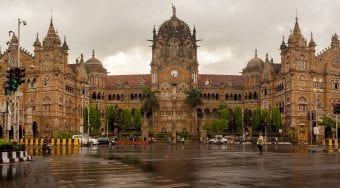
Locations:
(183, 165)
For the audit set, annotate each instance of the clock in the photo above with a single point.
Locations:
(174, 73)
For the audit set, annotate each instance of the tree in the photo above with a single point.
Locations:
(219, 125)
(137, 120)
(265, 118)
(256, 119)
(238, 118)
(94, 118)
(126, 119)
(216, 126)
(150, 104)
(194, 99)
(276, 121)
(110, 116)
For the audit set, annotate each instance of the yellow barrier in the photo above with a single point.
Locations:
(330, 142)
(63, 141)
(54, 141)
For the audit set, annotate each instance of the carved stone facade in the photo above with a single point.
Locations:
(55, 92)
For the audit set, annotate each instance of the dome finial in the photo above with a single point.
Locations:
(173, 10)
(255, 52)
(93, 53)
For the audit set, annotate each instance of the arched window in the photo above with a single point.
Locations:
(46, 105)
(163, 130)
(302, 102)
(94, 96)
(302, 63)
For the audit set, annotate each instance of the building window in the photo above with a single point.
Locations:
(302, 63)
(318, 83)
(302, 82)
(302, 104)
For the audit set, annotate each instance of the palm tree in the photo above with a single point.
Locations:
(194, 99)
(150, 104)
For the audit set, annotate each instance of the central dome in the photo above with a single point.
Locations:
(255, 62)
(174, 27)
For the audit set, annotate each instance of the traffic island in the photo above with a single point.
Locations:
(11, 152)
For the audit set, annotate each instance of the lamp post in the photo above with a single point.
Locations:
(16, 94)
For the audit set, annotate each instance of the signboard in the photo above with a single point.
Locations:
(280, 130)
(316, 130)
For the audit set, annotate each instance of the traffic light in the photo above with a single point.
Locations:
(7, 83)
(21, 75)
(14, 79)
(336, 109)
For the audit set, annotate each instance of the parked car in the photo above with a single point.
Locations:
(105, 140)
(85, 140)
(219, 139)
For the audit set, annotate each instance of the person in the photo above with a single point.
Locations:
(260, 142)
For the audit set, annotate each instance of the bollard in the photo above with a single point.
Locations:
(52, 142)
(69, 142)
(75, 142)
(63, 141)
(58, 141)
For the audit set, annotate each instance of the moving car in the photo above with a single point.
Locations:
(85, 140)
(105, 140)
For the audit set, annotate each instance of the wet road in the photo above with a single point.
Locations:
(163, 165)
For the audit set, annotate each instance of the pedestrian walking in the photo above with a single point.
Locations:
(260, 142)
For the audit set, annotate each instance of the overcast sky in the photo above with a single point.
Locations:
(118, 29)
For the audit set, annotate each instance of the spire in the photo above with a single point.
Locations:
(93, 53)
(311, 43)
(154, 32)
(173, 11)
(335, 41)
(296, 30)
(255, 52)
(81, 58)
(267, 60)
(283, 44)
(37, 42)
(64, 46)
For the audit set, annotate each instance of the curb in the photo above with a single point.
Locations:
(14, 157)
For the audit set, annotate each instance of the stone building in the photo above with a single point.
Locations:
(55, 91)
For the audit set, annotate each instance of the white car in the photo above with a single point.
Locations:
(85, 140)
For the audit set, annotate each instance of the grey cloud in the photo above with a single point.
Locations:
(116, 26)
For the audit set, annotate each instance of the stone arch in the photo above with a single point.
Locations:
(163, 130)
(206, 112)
(94, 95)
(214, 113)
(199, 113)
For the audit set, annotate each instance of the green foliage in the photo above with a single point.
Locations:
(256, 119)
(276, 121)
(216, 126)
(238, 118)
(126, 119)
(184, 135)
(137, 120)
(6, 145)
(65, 135)
(328, 122)
(193, 98)
(110, 116)
(224, 112)
(150, 104)
(94, 118)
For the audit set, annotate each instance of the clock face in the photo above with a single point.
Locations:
(174, 73)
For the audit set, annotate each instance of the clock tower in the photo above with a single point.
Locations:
(174, 71)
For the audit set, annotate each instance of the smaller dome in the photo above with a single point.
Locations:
(93, 60)
(94, 64)
(255, 62)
